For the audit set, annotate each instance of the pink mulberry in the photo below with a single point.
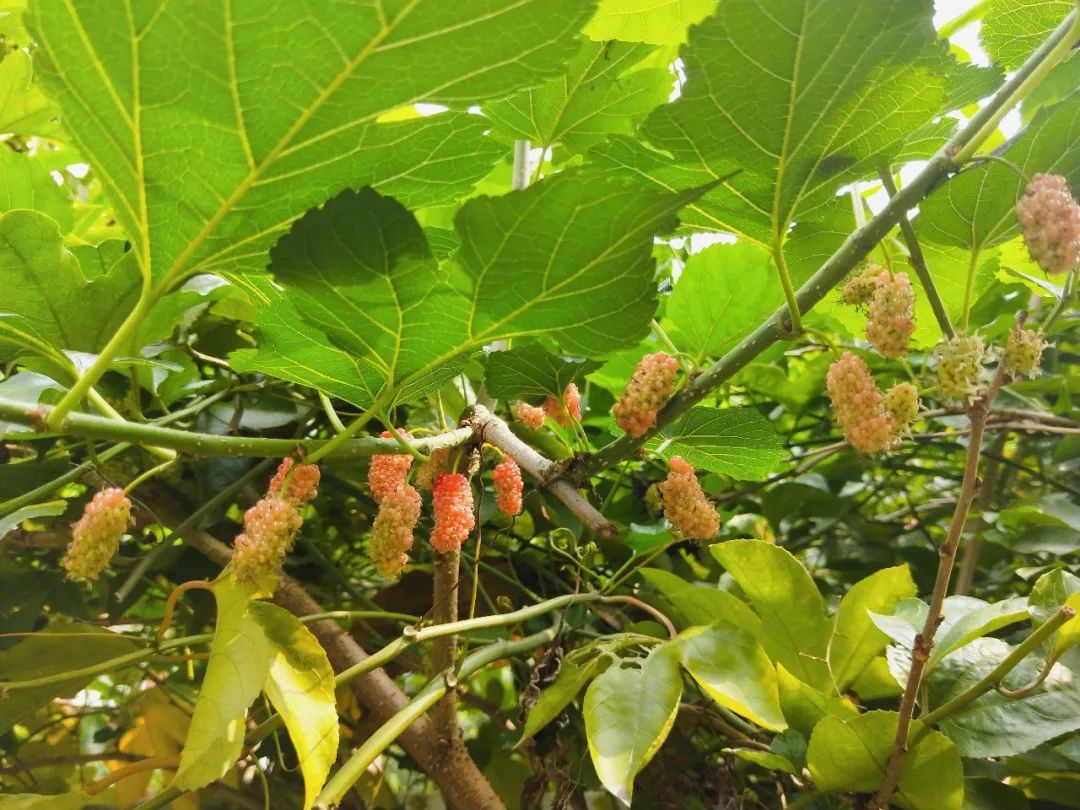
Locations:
(388, 470)
(530, 416)
(270, 526)
(392, 532)
(891, 316)
(569, 408)
(1023, 352)
(438, 463)
(647, 391)
(858, 405)
(1050, 221)
(303, 483)
(685, 504)
(859, 289)
(452, 504)
(95, 537)
(508, 487)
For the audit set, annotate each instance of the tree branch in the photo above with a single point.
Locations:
(444, 650)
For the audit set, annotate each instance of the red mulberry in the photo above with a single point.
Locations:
(902, 404)
(388, 470)
(858, 406)
(859, 288)
(1050, 221)
(95, 537)
(392, 532)
(1023, 351)
(270, 526)
(530, 416)
(685, 505)
(647, 391)
(890, 322)
(303, 483)
(452, 504)
(960, 372)
(508, 487)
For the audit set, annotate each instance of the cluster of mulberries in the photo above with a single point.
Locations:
(452, 505)
(685, 504)
(531, 416)
(438, 463)
(647, 391)
(392, 531)
(303, 482)
(270, 526)
(508, 487)
(858, 406)
(1050, 221)
(960, 371)
(95, 537)
(902, 404)
(388, 471)
(890, 319)
(568, 408)
(1023, 352)
(859, 289)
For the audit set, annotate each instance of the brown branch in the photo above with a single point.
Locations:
(444, 650)
(970, 559)
(493, 430)
(978, 413)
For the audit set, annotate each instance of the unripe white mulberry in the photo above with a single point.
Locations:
(685, 505)
(902, 404)
(890, 322)
(859, 288)
(1023, 352)
(452, 505)
(647, 391)
(508, 487)
(1050, 221)
(392, 531)
(858, 406)
(960, 371)
(438, 463)
(95, 537)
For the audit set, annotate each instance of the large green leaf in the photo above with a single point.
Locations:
(549, 260)
(722, 294)
(732, 668)
(1053, 591)
(837, 88)
(804, 706)
(1012, 29)
(850, 755)
(738, 442)
(240, 659)
(214, 125)
(61, 647)
(532, 371)
(300, 685)
(855, 639)
(795, 630)
(968, 619)
(605, 90)
(996, 726)
(977, 208)
(701, 605)
(26, 183)
(629, 711)
(24, 109)
(663, 22)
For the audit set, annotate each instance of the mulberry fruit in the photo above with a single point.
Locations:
(1050, 221)
(1023, 351)
(452, 504)
(508, 487)
(902, 404)
(647, 391)
(685, 505)
(303, 483)
(960, 372)
(561, 412)
(438, 463)
(95, 537)
(890, 321)
(858, 406)
(530, 416)
(270, 526)
(392, 531)
(388, 470)
(859, 288)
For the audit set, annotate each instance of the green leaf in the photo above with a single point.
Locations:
(738, 442)
(24, 109)
(732, 668)
(970, 619)
(240, 658)
(61, 647)
(849, 755)
(532, 371)
(25, 183)
(804, 706)
(64, 801)
(795, 630)
(1012, 29)
(12, 521)
(977, 208)
(766, 759)
(837, 89)
(213, 127)
(855, 639)
(994, 725)
(629, 711)
(1053, 591)
(662, 22)
(722, 294)
(555, 698)
(300, 685)
(702, 605)
(605, 90)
